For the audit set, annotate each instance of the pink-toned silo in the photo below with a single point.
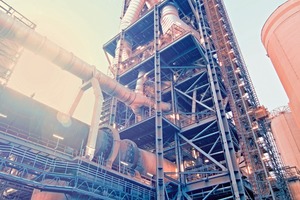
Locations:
(287, 137)
(281, 38)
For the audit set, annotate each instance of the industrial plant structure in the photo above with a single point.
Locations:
(177, 118)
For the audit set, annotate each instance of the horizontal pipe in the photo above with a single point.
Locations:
(33, 41)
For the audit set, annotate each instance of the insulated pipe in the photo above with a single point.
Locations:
(169, 17)
(15, 30)
(139, 89)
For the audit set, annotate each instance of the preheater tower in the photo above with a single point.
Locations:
(200, 78)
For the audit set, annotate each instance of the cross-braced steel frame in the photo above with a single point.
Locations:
(197, 134)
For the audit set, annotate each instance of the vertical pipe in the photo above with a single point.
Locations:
(139, 88)
(158, 113)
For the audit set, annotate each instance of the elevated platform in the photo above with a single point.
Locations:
(25, 166)
(143, 133)
(185, 50)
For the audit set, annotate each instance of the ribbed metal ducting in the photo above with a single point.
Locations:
(170, 17)
(132, 13)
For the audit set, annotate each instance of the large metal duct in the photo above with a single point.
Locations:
(131, 15)
(170, 17)
(15, 30)
(280, 36)
(106, 146)
(128, 153)
(147, 164)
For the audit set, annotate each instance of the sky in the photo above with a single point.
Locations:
(82, 27)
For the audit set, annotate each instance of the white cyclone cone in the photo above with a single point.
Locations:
(170, 17)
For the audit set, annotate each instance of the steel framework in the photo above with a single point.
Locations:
(9, 50)
(227, 92)
(215, 133)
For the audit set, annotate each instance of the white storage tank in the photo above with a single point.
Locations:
(280, 36)
(287, 137)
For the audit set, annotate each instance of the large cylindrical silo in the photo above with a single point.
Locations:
(280, 36)
(287, 137)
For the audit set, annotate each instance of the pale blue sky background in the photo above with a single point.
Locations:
(84, 26)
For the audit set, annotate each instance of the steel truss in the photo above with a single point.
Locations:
(197, 133)
(262, 161)
(10, 50)
(214, 112)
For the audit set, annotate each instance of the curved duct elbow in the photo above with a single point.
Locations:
(170, 17)
(139, 88)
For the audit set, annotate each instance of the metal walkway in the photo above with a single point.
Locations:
(24, 168)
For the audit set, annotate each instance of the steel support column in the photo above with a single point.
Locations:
(158, 112)
(229, 152)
